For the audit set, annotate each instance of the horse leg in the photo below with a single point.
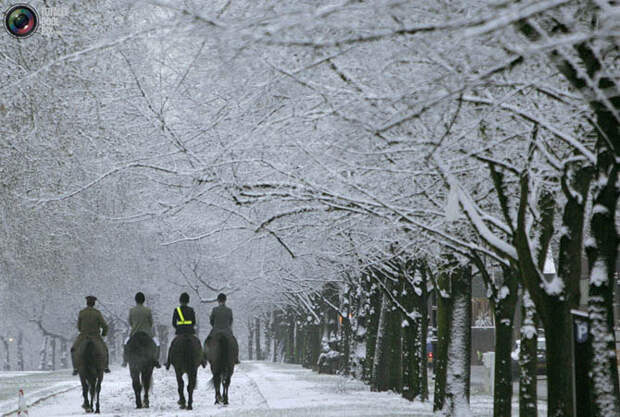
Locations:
(146, 383)
(191, 384)
(84, 392)
(216, 384)
(180, 385)
(98, 391)
(137, 387)
(92, 385)
(226, 381)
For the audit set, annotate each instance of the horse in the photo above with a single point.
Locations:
(90, 368)
(141, 356)
(219, 350)
(186, 356)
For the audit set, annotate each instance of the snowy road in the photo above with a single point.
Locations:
(259, 389)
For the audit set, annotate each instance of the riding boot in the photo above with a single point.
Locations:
(168, 360)
(124, 364)
(107, 360)
(156, 360)
(75, 370)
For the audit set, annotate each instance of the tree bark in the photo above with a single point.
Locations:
(445, 304)
(52, 360)
(380, 371)
(259, 354)
(504, 314)
(20, 351)
(6, 366)
(43, 354)
(455, 377)
(250, 340)
(602, 253)
(528, 384)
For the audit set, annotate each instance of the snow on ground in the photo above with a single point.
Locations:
(258, 389)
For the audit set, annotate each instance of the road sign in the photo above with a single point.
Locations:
(581, 327)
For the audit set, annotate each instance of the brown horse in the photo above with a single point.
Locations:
(220, 350)
(91, 364)
(186, 356)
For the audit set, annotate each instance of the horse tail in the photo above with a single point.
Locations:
(224, 354)
(88, 352)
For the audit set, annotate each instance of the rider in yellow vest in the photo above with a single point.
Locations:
(183, 320)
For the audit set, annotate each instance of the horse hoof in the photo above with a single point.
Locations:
(182, 406)
(189, 407)
(138, 406)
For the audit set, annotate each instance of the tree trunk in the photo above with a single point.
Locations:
(528, 384)
(455, 377)
(250, 340)
(415, 374)
(64, 357)
(602, 253)
(372, 312)
(346, 344)
(163, 341)
(20, 351)
(6, 366)
(380, 371)
(504, 314)
(290, 346)
(444, 313)
(52, 359)
(267, 340)
(111, 341)
(259, 354)
(43, 354)
(394, 349)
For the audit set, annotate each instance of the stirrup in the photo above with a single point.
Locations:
(75, 372)
(107, 370)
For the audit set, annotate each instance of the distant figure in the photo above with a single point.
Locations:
(22, 408)
(91, 324)
(141, 320)
(221, 320)
(184, 322)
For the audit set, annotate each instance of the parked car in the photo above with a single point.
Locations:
(541, 357)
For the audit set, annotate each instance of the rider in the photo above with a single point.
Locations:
(90, 324)
(183, 320)
(221, 319)
(141, 320)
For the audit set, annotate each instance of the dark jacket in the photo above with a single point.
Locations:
(221, 318)
(91, 322)
(190, 318)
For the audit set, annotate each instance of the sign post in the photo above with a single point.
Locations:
(581, 335)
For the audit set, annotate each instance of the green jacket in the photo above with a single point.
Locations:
(90, 322)
(141, 320)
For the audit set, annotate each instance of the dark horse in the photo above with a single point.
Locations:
(186, 356)
(220, 352)
(91, 364)
(141, 352)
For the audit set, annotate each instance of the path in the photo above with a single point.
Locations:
(259, 389)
